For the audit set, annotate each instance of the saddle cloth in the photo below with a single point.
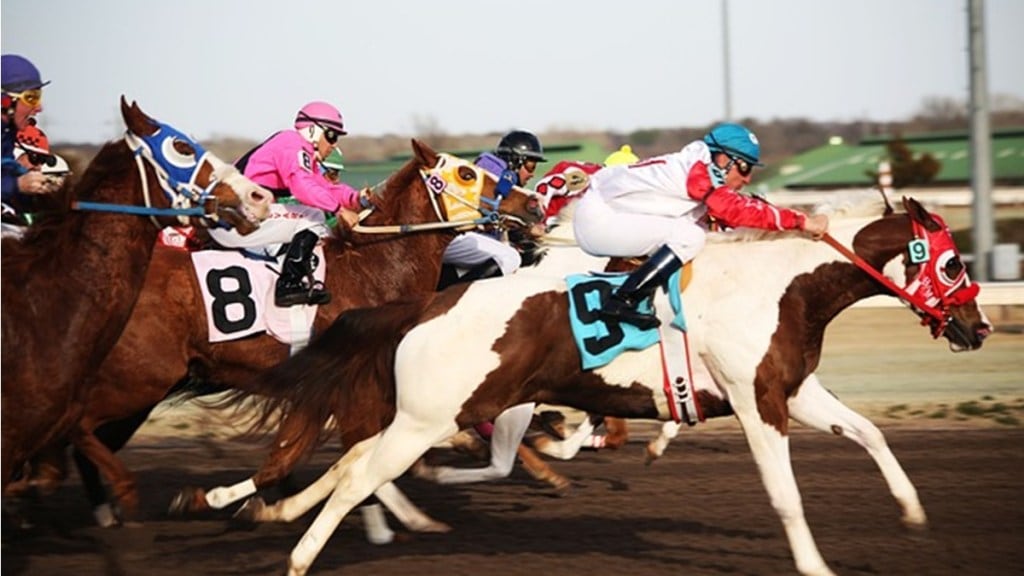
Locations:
(238, 296)
(598, 342)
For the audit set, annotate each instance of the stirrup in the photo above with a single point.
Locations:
(630, 316)
(617, 309)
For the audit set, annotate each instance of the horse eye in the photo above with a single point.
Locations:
(466, 174)
(953, 267)
(183, 148)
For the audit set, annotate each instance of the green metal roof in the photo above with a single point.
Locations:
(360, 174)
(844, 165)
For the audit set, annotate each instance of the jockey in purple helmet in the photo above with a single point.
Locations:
(513, 161)
(289, 163)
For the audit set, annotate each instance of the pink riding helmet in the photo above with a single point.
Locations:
(322, 114)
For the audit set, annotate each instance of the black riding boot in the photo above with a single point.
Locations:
(487, 269)
(296, 284)
(640, 285)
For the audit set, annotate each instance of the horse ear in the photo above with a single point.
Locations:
(425, 154)
(136, 120)
(885, 198)
(920, 215)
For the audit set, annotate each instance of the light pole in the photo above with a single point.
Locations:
(981, 143)
(725, 60)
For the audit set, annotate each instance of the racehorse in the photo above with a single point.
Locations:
(70, 284)
(395, 251)
(757, 314)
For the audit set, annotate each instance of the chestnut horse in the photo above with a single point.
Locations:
(394, 252)
(70, 284)
(515, 345)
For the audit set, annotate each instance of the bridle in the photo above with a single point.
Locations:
(924, 293)
(176, 174)
(447, 196)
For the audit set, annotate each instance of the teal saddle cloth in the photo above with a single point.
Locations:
(599, 342)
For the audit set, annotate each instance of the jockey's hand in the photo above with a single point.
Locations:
(34, 182)
(816, 225)
(349, 217)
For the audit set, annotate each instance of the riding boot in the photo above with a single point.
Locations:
(486, 269)
(640, 285)
(296, 284)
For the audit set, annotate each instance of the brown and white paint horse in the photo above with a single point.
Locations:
(69, 285)
(757, 311)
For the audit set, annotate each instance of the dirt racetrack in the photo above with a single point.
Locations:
(700, 510)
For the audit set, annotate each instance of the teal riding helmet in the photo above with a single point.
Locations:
(734, 140)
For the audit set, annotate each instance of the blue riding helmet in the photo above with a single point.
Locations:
(734, 140)
(19, 74)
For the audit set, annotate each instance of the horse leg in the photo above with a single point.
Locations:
(617, 432)
(408, 513)
(114, 435)
(656, 448)
(277, 466)
(123, 487)
(570, 447)
(770, 449)
(365, 468)
(509, 428)
(816, 407)
(540, 469)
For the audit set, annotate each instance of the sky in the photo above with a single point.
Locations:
(242, 68)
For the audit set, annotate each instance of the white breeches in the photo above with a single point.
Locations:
(284, 222)
(471, 248)
(603, 231)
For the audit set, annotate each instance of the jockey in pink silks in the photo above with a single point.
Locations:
(289, 163)
(659, 207)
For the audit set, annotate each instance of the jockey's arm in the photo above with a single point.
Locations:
(734, 209)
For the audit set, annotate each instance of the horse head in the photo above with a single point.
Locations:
(470, 193)
(923, 262)
(941, 279)
(191, 176)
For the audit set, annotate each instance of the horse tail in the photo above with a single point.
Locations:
(347, 372)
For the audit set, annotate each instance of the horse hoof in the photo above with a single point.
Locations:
(188, 500)
(423, 471)
(434, 527)
(251, 510)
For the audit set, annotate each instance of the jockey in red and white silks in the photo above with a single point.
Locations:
(657, 207)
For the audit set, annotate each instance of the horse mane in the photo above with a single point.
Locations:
(387, 197)
(58, 226)
(853, 204)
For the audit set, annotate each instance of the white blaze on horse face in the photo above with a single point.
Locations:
(255, 199)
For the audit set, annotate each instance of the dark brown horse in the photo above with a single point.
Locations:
(759, 340)
(166, 337)
(69, 285)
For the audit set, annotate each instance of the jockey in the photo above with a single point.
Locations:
(657, 207)
(289, 163)
(332, 166)
(22, 88)
(514, 160)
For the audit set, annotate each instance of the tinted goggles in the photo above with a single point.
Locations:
(330, 134)
(742, 166)
(30, 97)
